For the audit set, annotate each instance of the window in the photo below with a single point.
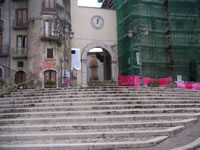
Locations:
(1, 74)
(22, 17)
(20, 64)
(49, 28)
(21, 41)
(49, 5)
(1, 38)
(49, 53)
(73, 52)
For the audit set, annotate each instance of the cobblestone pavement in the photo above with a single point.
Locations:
(185, 137)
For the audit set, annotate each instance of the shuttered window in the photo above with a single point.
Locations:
(22, 17)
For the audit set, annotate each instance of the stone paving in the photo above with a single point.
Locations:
(185, 137)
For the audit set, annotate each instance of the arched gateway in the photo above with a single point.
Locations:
(84, 61)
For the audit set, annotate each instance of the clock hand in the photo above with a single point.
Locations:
(97, 20)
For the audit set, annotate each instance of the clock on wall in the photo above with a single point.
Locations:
(97, 22)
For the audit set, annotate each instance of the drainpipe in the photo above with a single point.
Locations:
(9, 35)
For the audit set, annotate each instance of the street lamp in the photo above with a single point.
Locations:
(66, 29)
(137, 34)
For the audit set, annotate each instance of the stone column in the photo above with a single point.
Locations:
(84, 72)
(114, 70)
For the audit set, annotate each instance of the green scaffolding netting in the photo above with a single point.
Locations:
(166, 32)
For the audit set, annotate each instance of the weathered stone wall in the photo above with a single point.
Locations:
(5, 17)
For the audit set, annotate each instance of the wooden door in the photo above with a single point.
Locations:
(20, 77)
(94, 66)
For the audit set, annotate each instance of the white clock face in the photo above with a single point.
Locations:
(97, 22)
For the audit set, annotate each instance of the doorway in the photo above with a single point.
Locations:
(98, 65)
(20, 77)
(113, 62)
(50, 79)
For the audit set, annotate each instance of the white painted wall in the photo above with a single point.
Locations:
(85, 34)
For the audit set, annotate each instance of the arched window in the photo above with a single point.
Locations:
(20, 77)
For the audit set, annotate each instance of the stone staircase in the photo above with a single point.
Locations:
(95, 118)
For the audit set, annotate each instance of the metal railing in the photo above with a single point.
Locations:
(19, 52)
(7, 81)
(13, 87)
(20, 23)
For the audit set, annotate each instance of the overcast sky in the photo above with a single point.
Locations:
(89, 3)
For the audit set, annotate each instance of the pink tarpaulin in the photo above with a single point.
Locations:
(129, 80)
(188, 85)
(163, 81)
(134, 80)
(196, 86)
(180, 84)
(146, 80)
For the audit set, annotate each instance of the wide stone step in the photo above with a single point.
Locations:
(100, 95)
(62, 102)
(138, 131)
(55, 136)
(89, 126)
(86, 144)
(64, 99)
(106, 89)
(65, 92)
(55, 113)
(96, 119)
(97, 107)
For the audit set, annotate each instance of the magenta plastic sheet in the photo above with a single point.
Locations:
(196, 86)
(134, 80)
(146, 80)
(188, 85)
(129, 80)
(163, 81)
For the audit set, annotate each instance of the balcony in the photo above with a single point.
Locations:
(49, 7)
(20, 24)
(19, 53)
(4, 50)
(1, 25)
(49, 36)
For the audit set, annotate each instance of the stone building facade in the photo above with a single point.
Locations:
(34, 33)
(5, 27)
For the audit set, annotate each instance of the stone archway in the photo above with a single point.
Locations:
(84, 61)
